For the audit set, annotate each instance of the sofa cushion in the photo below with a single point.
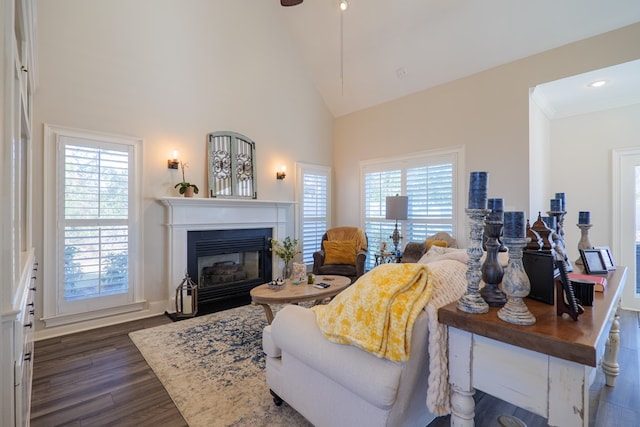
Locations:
(295, 331)
(339, 252)
(338, 269)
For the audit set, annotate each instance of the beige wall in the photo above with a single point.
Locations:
(581, 166)
(169, 74)
(487, 112)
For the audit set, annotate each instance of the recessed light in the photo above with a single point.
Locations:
(597, 83)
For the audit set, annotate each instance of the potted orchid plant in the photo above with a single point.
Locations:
(185, 187)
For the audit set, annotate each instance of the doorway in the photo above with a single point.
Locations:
(626, 215)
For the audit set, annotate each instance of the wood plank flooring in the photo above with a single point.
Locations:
(98, 378)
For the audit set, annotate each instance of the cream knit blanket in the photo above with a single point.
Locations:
(450, 283)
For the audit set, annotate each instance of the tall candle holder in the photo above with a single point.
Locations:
(471, 301)
(492, 271)
(516, 285)
(561, 247)
(584, 242)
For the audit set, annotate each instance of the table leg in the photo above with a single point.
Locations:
(267, 312)
(462, 407)
(610, 364)
(460, 361)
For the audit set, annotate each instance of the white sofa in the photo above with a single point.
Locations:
(341, 385)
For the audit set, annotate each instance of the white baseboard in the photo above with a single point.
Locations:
(154, 308)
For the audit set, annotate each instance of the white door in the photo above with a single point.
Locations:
(626, 220)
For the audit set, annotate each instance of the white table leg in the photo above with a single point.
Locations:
(610, 364)
(462, 407)
(460, 354)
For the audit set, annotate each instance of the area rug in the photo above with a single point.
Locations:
(213, 367)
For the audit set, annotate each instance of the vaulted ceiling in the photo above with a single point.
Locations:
(380, 50)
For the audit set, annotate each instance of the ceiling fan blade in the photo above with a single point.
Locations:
(290, 2)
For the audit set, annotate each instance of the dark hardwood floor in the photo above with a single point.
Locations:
(98, 378)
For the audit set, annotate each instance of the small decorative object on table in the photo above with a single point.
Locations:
(299, 273)
(566, 301)
(186, 298)
(607, 257)
(277, 284)
(286, 251)
(558, 209)
(584, 224)
(471, 301)
(593, 261)
(492, 271)
(515, 282)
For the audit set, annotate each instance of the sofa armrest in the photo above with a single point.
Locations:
(268, 345)
(295, 331)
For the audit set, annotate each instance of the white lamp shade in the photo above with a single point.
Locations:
(397, 207)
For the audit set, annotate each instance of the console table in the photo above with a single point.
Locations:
(545, 368)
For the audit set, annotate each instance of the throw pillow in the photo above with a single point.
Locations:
(439, 243)
(339, 251)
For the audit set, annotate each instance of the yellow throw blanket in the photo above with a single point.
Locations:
(378, 311)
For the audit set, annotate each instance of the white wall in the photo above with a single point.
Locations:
(170, 72)
(581, 166)
(487, 112)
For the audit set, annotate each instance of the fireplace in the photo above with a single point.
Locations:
(185, 215)
(228, 263)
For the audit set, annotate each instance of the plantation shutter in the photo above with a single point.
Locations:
(430, 191)
(379, 185)
(428, 181)
(95, 220)
(314, 213)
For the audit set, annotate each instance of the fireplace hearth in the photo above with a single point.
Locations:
(227, 264)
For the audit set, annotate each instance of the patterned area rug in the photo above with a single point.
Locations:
(214, 369)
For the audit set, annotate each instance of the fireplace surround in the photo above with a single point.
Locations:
(184, 215)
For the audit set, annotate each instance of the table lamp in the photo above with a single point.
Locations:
(397, 207)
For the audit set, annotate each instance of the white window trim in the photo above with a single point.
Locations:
(460, 230)
(301, 169)
(51, 315)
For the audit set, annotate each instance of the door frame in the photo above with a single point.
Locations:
(623, 211)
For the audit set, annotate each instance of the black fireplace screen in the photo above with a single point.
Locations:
(228, 263)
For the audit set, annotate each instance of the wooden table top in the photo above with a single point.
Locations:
(558, 336)
(298, 293)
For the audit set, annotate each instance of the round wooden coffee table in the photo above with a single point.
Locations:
(293, 294)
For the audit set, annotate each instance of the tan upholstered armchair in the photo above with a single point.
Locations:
(343, 252)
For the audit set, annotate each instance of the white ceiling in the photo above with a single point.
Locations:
(393, 48)
(574, 95)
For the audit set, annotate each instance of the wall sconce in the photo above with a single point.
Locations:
(173, 162)
(281, 174)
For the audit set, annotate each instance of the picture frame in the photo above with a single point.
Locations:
(607, 257)
(593, 261)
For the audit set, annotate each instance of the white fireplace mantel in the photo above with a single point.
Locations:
(184, 214)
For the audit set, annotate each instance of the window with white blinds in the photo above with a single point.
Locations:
(96, 219)
(97, 185)
(429, 183)
(313, 205)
